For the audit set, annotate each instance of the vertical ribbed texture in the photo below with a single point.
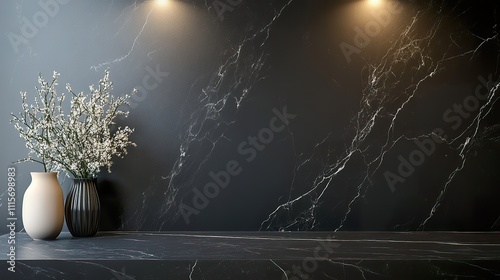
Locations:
(83, 208)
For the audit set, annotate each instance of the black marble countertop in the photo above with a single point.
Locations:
(276, 252)
(260, 246)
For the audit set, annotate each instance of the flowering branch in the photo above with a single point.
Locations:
(80, 142)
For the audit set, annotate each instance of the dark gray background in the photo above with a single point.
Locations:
(354, 121)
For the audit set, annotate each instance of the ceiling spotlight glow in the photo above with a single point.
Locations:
(162, 2)
(375, 2)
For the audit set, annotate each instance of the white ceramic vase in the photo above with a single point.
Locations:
(43, 206)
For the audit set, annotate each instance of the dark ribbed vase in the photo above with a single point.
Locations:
(82, 208)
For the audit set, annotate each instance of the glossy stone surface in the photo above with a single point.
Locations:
(259, 255)
(278, 114)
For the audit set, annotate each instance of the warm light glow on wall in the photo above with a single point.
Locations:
(375, 2)
(162, 2)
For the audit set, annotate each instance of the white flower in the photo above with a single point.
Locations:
(80, 142)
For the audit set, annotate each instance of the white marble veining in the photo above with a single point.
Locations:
(389, 137)
(268, 255)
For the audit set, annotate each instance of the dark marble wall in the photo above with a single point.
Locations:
(279, 114)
